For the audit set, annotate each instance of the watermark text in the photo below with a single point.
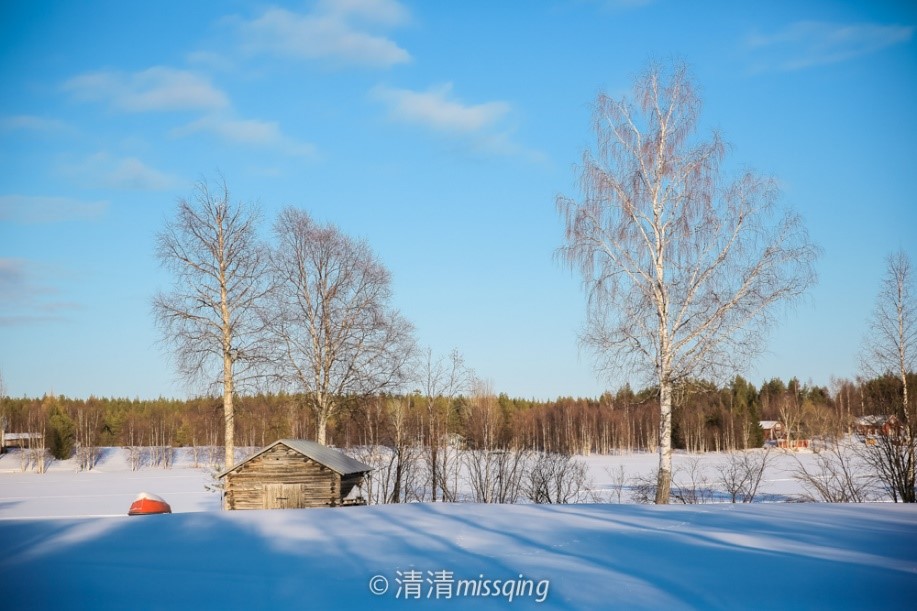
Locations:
(414, 584)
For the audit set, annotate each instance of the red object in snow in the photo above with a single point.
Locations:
(147, 503)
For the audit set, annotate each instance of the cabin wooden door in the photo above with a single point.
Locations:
(283, 496)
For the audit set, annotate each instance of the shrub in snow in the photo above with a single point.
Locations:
(556, 478)
(742, 473)
(690, 486)
(839, 476)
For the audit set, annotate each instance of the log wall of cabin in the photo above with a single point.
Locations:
(319, 485)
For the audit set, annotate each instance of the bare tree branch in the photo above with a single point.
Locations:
(684, 272)
(209, 317)
(335, 334)
(890, 348)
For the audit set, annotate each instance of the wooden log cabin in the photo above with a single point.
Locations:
(294, 474)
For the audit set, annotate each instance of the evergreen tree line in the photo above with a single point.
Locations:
(707, 418)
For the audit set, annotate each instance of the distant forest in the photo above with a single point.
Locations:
(707, 418)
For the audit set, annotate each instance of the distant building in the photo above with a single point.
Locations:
(18, 440)
(294, 474)
(773, 430)
(878, 425)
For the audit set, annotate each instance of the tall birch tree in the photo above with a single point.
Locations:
(683, 269)
(441, 381)
(210, 318)
(890, 348)
(335, 334)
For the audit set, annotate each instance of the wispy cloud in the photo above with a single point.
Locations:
(27, 297)
(30, 209)
(339, 32)
(805, 44)
(250, 132)
(386, 12)
(158, 88)
(436, 109)
(481, 127)
(130, 173)
(161, 89)
(32, 123)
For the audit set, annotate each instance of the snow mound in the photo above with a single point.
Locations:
(762, 556)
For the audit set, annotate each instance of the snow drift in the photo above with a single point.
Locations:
(65, 543)
(591, 556)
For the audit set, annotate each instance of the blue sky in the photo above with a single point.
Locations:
(439, 132)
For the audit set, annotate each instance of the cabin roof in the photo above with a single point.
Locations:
(334, 459)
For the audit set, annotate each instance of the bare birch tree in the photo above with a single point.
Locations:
(890, 347)
(337, 336)
(442, 380)
(682, 269)
(393, 451)
(495, 471)
(210, 317)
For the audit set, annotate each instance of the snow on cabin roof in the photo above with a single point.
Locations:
(768, 424)
(334, 459)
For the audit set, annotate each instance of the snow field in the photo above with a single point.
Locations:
(110, 487)
(66, 543)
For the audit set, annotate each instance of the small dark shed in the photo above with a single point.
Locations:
(293, 474)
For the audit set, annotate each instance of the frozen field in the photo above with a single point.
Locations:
(108, 489)
(590, 556)
(110, 486)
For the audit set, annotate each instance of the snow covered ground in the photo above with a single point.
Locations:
(106, 490)
(65, 542)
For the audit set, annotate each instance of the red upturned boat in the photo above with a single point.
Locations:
(146, 504)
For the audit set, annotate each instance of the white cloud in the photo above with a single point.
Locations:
(480, 127)
(160, 88)
(31, 209)
(131, 173)
(384, 12)
(435, 109)
(336, 32)
(103, 170)
(155, 89)
(804, 44)
(250, 132)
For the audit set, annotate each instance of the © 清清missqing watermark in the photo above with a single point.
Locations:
(414, 584)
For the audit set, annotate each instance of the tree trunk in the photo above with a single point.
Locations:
(228, 414)
(664, 480)
(322, 432)
(229, 435)
(399, 470)
(434, 447)
(433, 467)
